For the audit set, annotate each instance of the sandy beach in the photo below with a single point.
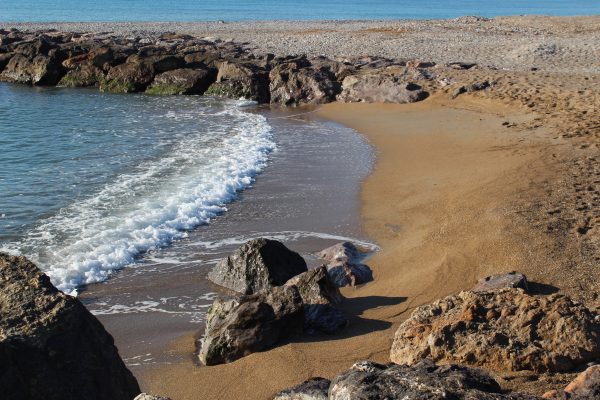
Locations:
(474, 180)
(442, 204)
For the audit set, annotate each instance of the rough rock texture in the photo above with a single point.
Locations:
(344, 266)
(237, 80)
(83, 75)
(424, 380)
(318, 293)
(496, 282)
(312, 389)
(146, 396)
(379, 88)
(503, 331)
(258, 264)
(128, 78)
(294, 83)
(181, 81)
(40, 70)
(238, 327)
(585, 387)
(51, 347)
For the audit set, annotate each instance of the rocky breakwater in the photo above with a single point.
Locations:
(181, 64)
(280, 299)
(51, 346)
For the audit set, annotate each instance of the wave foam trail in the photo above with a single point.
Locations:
(155, 202)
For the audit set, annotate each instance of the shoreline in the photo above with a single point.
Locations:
(410, 270)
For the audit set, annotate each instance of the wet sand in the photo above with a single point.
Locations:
(441, 202)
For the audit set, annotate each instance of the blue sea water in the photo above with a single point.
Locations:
(234, 10)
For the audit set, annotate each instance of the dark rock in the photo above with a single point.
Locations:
(4, 59)
(83, 75)
(159, 63)
(324, 318)
(367, 380)
(292, 84)
(128, 78)
(51, 347)
(379, 88)
(344, 266)
(41, 70)
(461, 65)
(236, 80)
(496, 282)
(181, 81)
(203, 59)
(312, 389)
(316, 287)
(504, 331)
(245, 325)
(258, 264)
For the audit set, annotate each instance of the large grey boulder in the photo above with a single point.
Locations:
(344, 266)
(51, 346)
(504, 331)
(293, 83)
(128, 78)
(257, 265)
(319, 294)
(241, 79)
(245, 325)
(379, 88)
(368, 380)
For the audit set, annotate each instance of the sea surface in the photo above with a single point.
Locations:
(233, 10)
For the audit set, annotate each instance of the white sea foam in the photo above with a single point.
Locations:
(154, 203)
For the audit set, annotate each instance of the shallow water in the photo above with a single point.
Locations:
(232, 10)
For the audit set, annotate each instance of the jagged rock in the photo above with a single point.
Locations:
(237, 80)
(316, 287)
(344, 266)
(504, 331)
(128, 78)
(245, 325)
(258, 264)
(318, 292)
(146, 396)
(379, 88)
(496, 282)
(368, 380)
(292, 84)
(4, 59)
(585, 387)
(51, 346)
(41, 70)
(181, 81)
(83, 75)
(311, 389)
(159, 63)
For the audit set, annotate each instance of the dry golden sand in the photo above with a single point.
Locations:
(445, 204)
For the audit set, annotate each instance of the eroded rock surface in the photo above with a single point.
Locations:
(505, 331)
(51, 346)
(585, 387)
(380, 88)
(344, 264)
(257, 265)
(311, 389)
(241, 326)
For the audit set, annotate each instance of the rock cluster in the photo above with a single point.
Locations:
(368, 380)
(180, 64)
(280, 300)
(506, 330)
(51, 346)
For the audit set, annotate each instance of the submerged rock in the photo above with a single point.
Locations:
(51, 346)
(83, 75)
(505, 331)
(379, 88)
(245, 325)
(311, 389)
(128, 78)
(344, 266)
(257, 265)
